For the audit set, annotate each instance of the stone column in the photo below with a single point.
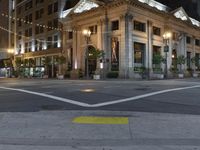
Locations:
(126, 46)
(193, 52)
(76, 48)
(100, 35)
(106, 42)
(149, 51)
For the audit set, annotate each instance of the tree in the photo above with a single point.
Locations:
(18, 63)
(46, 61)
(157, 60)
(181, 61)
(61, 61)
(32, 62)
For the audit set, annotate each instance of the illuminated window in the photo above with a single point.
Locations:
(139, 49)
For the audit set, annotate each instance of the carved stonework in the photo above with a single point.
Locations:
(127, 16)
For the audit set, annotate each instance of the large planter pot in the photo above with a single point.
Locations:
(60, 77)
(180, 75)
(96, 77)
(74, 74)
(157, 76)
(45, 76)
(195, 75)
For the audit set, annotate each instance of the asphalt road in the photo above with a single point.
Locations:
(41, 94)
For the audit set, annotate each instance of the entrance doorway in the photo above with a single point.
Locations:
(92, 61)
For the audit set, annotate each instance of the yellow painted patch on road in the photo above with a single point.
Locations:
(100, 120)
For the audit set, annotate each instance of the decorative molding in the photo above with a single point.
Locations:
(127, 16)
(43, 53)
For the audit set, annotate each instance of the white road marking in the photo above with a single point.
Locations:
(142, 96)
(49, 96)
(104, 103)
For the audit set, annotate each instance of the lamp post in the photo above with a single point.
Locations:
(166, 38)
(87, 34)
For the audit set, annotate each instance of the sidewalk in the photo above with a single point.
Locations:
(54, 130)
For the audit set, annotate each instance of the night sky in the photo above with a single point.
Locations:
(189, 6)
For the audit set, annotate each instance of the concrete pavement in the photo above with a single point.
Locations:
(54, 130)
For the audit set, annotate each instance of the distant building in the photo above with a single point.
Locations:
(6, 37)
(38, 35)
(5, 27)
(131, 35)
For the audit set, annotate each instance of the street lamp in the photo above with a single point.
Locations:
(87, 34)
(166, 38)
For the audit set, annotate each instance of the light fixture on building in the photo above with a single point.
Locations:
(87, 34)
(10, 51)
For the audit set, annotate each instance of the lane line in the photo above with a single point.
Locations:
(143, 96)
(100, 104)
(49, 96)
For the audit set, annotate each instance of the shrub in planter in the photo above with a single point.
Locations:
(181, 61)
(67, 74)
(112, 74)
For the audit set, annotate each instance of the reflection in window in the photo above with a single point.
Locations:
(139, 49)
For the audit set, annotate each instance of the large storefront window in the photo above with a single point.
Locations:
(189, 59)
(115, 54)
(139, 49)
(70, 58)
(197, 63)
(157, 59)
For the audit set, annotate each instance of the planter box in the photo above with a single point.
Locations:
(74, 74)
(158, 76)
(60, 77)
(195, 75)
(96, 77)
(180, 75)
(45, 76)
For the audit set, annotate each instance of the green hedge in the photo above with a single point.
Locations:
(112, 74)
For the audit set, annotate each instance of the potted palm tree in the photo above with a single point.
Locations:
(181, 61)
(98, 54)
(157, 70)
(18, 63)
(61, 62)
(46, 61)
(195, 62)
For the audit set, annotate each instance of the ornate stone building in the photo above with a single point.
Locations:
(130, 32)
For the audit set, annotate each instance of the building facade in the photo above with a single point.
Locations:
(38, 36)
(131, 35)
(6, 38)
